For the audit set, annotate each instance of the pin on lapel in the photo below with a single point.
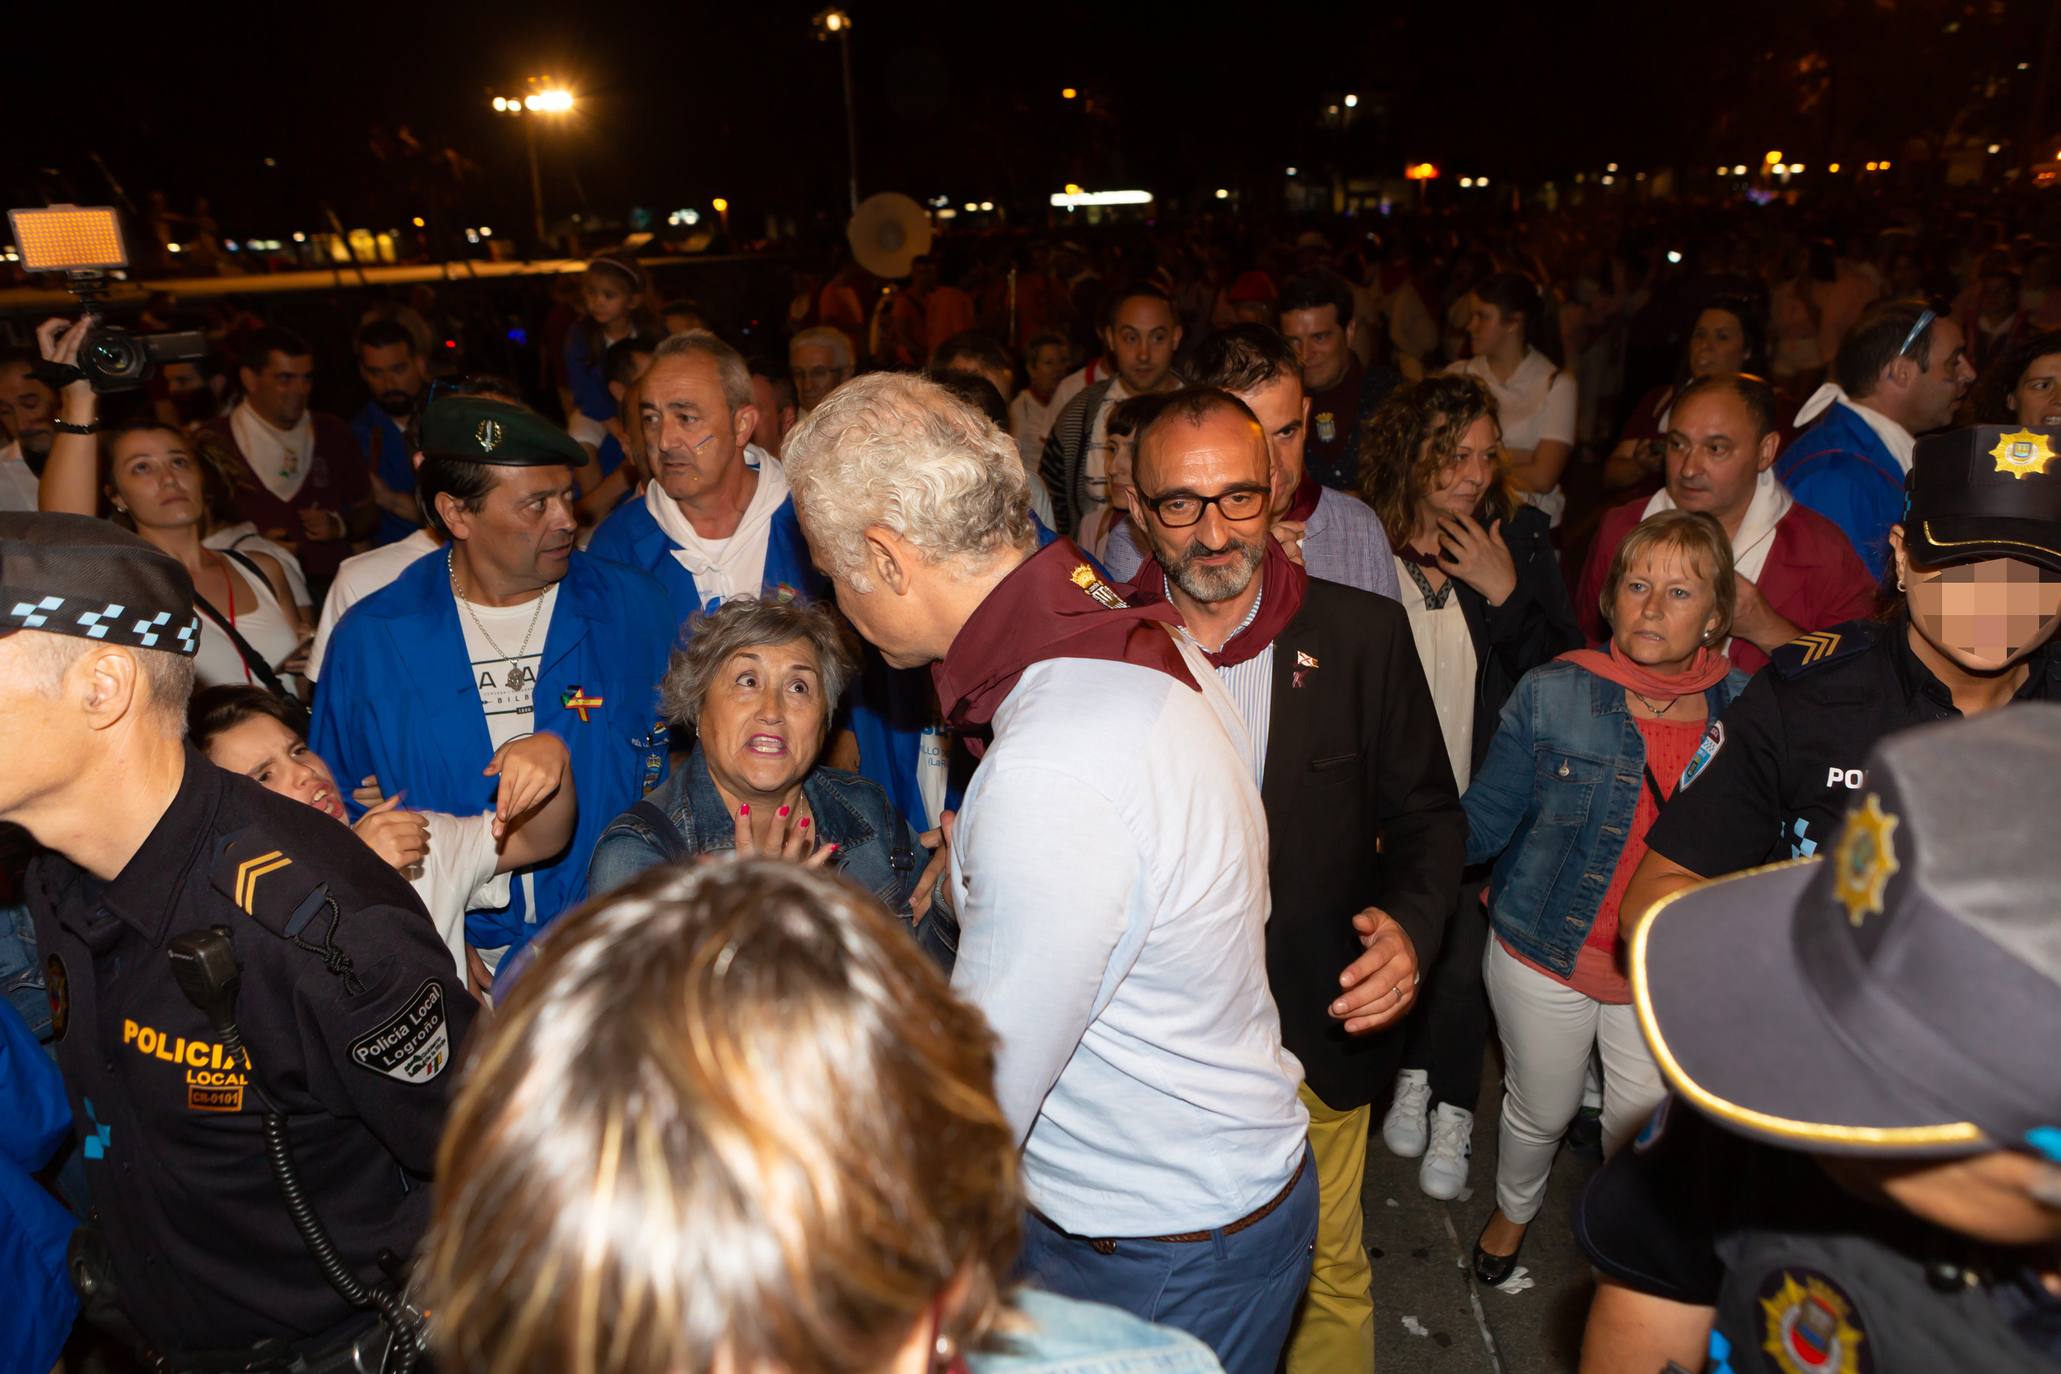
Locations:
(1303, 663)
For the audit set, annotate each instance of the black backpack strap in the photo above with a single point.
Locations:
(662, 829)
(252, 659)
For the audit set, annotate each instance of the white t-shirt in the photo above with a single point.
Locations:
(506, 676)
(358, 577)
(585, 429)
(1537, 404)
(1446, 651)
(458, 875)
(244, 538)
(1030, 424)
(1140, 1048)
(264, 627)
(17, 484)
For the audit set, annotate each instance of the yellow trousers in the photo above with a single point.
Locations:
(1334, 1331)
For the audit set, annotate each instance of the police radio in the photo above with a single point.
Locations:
(204, 965)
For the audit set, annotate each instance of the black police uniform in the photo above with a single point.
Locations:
(1774, 775)
(351, 1022)
(1804, 1278)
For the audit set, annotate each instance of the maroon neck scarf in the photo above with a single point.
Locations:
(1054, 605)
(1281, 588)
(1305, 503)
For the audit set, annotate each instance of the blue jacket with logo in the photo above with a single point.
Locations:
(34, 1229)
(1552, 804)
(386, 449)
(1841, 469)
(631, 536)
(398, 700)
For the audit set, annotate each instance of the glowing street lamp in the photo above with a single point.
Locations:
(834, 23)
(545, 98)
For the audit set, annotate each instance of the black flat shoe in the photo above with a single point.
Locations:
(1492, 1271)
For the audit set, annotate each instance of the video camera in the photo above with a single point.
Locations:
(84, 242)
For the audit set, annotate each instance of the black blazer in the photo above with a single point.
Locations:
(1354, 754)
(1534, 625)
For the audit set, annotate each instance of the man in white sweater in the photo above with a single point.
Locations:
(1109, 872)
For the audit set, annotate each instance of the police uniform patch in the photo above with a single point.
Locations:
(1813, 1327)
(58, 985)
(1865, 860)
(1706, 750)
(415, 1044)
(1326, 425)
(2023, 454)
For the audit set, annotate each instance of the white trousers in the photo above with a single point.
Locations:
(1548, 1029)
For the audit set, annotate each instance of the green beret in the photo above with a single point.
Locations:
(481, 430)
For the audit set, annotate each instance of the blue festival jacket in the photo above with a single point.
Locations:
(1841, 469)
(386, 451)
(397, 699)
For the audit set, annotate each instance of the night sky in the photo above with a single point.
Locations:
(680, 103)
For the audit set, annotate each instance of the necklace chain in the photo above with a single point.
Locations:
(514, 678)
(1647, 702)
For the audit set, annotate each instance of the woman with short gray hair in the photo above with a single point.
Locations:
(757, 684)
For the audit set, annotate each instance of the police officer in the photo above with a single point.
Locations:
(506, 631)
(348, 1009)
(1868, 1039)
(1978, 563)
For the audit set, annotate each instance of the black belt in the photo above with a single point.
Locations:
(1107, 1244)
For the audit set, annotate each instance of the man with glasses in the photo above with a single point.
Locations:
(1899, 374)
(1346, 747)
(820, 361)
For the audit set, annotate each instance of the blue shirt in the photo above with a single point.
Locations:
(386, 448)
(34, 1229)
(1841, 469)
(583, 375)
(398, 700)
(631, 536)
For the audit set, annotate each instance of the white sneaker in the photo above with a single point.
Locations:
(1444, 1171)
(1402, 1130)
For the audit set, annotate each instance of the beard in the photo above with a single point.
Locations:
(1217, 583)
(395, 403)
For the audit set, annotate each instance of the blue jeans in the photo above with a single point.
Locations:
(1237, 1294)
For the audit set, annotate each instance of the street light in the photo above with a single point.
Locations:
(543, 99)
(835, 23)
(1351, 101)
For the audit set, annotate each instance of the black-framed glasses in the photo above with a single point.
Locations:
(1180, 509)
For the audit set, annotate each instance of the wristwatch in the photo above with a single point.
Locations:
(67, 427)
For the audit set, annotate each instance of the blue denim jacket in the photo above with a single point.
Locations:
(1554, 799)
(1058, 1335)
(876, 847)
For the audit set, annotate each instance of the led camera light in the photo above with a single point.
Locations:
(69, 238)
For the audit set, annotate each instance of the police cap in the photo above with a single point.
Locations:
(75, 575)
(1991, 491)
(1900, 993)
(478, 429)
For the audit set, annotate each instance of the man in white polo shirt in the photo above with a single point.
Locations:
(1109, 869)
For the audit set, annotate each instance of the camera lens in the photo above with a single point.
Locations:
(113, 359)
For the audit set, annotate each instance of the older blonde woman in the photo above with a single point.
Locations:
(1590, 748)
(727, 1121)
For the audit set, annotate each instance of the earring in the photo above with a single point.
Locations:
(944, 1353)
(1899, 581)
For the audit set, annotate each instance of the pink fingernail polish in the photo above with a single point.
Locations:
(744, 810)
(805, 823)
(781, 813)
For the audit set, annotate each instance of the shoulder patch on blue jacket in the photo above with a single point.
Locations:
(1817, 648)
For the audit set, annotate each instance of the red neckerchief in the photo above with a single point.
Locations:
(1281, 589)
(1054, 605)
(1305, 503)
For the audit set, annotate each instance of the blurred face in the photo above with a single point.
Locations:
(1995, 1198)
(278, 391)
(1253, 312)
(1489, 329)
(1468, 474)
(157, 480)
(1142, 338)
(278, 760)
(1321, 343)
(607, 297)
(522, 534)
(1714, 458)
(394, 376)
(1662, 608)
(694, 439)
(1215, 558)
(1937, 389)
(2036, 400)
(1717, 344)
(1985, 615)
(26, 409)
(773, 420)
(1999, 296)
(818, 371)
(1047, 369)
(1283, 413)
(1003, 382)
(764, 719)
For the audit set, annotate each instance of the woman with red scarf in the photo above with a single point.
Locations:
(1590, 747)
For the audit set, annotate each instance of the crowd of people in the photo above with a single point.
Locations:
(947, 852)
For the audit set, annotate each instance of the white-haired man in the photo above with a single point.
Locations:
(1109, 869)
(820, 360)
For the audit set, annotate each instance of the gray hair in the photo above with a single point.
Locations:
(731, 370)
(741, 623)
(823, 336)
(901, 452)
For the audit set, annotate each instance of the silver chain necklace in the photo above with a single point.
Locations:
(514, 678)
